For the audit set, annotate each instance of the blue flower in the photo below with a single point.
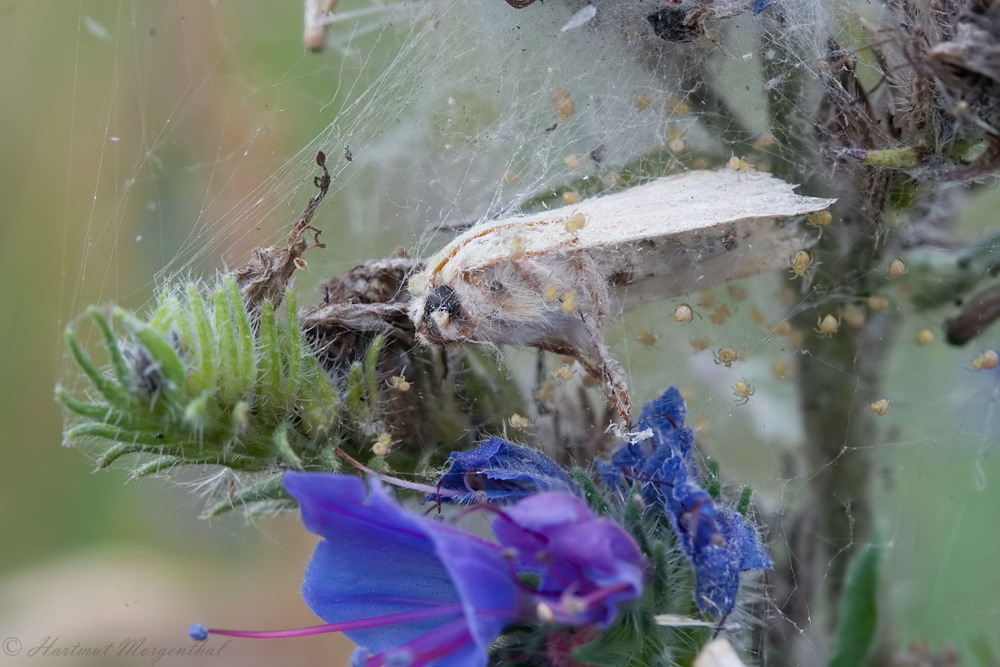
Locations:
(502, 472)
(413, 590)
(658, 459)
(379, 561)
(720, 542)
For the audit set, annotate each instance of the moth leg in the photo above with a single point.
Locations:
(609, 372)
(601, 365)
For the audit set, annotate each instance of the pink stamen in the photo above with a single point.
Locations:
(357, 624)
(437, 643)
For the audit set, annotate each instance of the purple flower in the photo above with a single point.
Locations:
(417, 591)
(587, 564)
(720, 542)
(502, 472)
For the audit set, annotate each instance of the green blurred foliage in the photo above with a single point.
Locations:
(127, 127)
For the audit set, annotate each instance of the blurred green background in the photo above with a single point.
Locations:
(127, 128)
(128, 131)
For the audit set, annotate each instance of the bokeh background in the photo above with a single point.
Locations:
(127, 128)
(130, 133)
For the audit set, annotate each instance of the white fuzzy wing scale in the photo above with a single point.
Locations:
(550, 279)
(694, 230)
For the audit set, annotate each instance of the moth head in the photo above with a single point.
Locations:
(439, 316)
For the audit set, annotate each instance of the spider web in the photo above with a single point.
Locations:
(456, 111)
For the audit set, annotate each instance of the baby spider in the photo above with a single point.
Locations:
(880, 407)
(729, 355)
(743, 390)
(987, 359)
(740, 164)
(800, 263)
(827, 325)
(684, 313)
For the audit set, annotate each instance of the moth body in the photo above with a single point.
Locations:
(550, 280)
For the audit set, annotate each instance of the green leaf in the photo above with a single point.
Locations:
(284, 447)
(858, 622)
(109, 389)
(595, 499)
(269, 364)
(291, 346)
(112, 454)
(206, 374)
(111, 343)
(102, 412)
(225, 331)
(244, 335)
(157, 465)
(743, 504)
(270, 489)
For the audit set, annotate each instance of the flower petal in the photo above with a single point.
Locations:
(378, 560)
(575, 551)
(507, 472)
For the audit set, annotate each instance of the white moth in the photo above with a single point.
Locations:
(550, 280)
